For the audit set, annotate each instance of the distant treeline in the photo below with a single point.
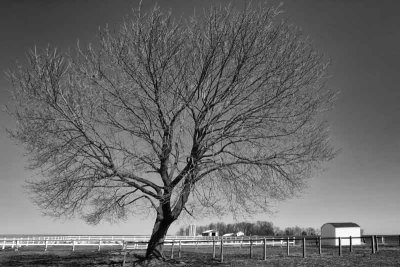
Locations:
(260, 228)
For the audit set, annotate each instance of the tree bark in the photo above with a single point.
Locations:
(160, 229)
(165, 217)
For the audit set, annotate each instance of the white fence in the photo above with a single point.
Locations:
(129, 242)
(16, 243)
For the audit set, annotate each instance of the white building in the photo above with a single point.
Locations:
(240, 233)
(234, 234)
(344, 230)
(210, 233)
(229, 234)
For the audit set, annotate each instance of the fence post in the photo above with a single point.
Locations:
(124, 260)
(180, 246)
(372, 244)
(319, 245)
(16, 245)
(304, 247)
(351, 244)
(222, 250)
(213, 247)
(251, 247)
(376, 244)
(265, 249)
(340, 246)
(45, 245)
(4, 243)
(125, 252)
(172, 249)
(73, 245)
(287, 246)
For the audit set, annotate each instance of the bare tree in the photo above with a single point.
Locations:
(222, 110)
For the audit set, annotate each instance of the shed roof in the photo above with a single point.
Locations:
(210, 231)
(344, 224)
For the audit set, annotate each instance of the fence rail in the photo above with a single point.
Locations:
(176, 243)
(131, 242)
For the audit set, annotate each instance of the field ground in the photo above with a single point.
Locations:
(202, 256)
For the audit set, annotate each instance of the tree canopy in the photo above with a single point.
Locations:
(220, 111)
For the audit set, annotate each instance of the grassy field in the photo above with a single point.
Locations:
(202, 256)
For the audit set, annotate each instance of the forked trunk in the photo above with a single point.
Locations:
(165, 217)
(156, 242)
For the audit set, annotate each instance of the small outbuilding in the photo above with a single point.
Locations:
(229, 234)
(234, 234)
(240, 233)
(210, 233)
(341, 229)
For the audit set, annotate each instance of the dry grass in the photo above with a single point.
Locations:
(276, 256)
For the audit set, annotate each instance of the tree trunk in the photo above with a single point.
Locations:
(156, 242)
(165, 217)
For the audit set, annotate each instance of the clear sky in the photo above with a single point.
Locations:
(362, 39)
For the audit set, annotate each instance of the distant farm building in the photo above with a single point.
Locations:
(234, 234)
(239, 233)
(343, 230)
(210, 233)
(229, 234)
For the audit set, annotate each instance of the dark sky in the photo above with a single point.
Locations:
(362, 39)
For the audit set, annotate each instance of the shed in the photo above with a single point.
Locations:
(229, 234)
(234, 234)
(210, 233)
(240, 233)
(341, 229)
